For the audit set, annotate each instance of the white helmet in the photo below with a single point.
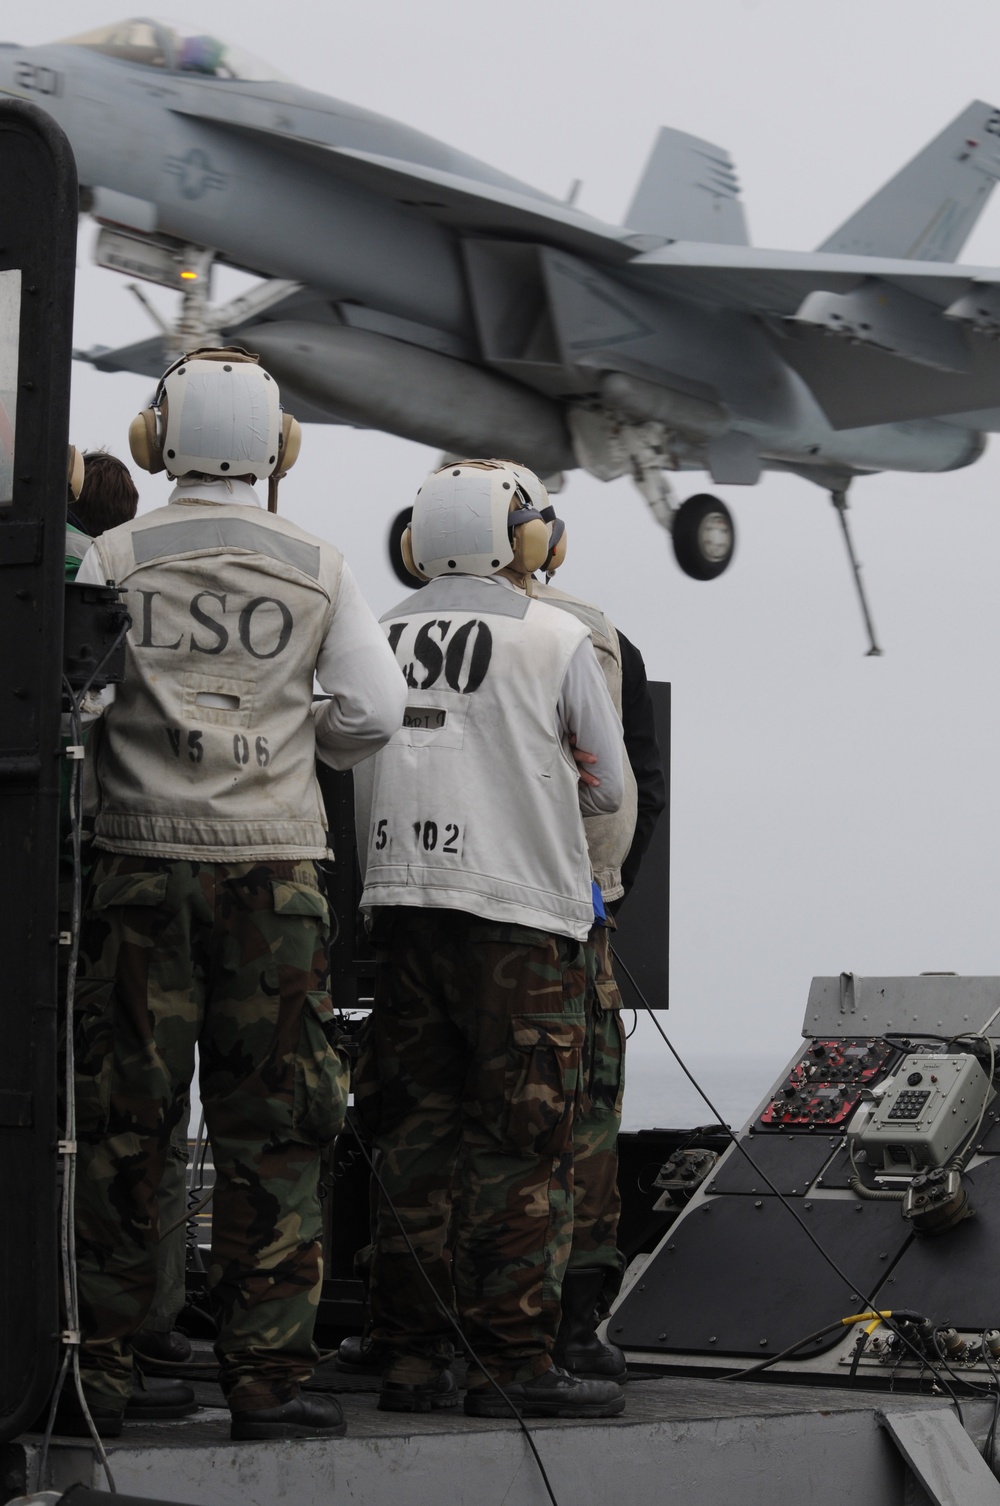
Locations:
(223, 418)
(216, 413)
(462, 521)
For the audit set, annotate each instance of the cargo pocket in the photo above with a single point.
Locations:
(608, 993)
(93, 1054)
(542, 1082)
(291, 898)
(322, 1074)
(606, 1082)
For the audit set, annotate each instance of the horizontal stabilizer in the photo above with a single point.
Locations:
(927, 211)
(689, 192)
(858, 385)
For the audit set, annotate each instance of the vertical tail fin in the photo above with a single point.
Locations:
(927, 211)
(689, 192)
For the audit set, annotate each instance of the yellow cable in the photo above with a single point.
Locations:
(864, 1317)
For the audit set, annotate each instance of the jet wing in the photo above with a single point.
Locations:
(778, 282)
(460, 202)
(145, 358)
(149, 358)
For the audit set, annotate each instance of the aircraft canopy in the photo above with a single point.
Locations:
(156, 45)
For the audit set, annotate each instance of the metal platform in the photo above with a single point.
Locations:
(680, 1441)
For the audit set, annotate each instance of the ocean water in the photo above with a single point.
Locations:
(658, 1095)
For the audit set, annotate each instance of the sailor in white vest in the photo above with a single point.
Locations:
(593, 1276)
(478, 880)
(206, 923)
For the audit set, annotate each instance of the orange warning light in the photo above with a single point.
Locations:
(189, 277)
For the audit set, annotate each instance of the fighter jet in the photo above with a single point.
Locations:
(410, 288)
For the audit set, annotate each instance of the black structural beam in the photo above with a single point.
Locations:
(38, 218)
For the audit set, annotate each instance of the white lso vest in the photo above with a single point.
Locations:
(474, 803)
(209, 747)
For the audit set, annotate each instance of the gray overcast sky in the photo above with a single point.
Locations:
(830, 811)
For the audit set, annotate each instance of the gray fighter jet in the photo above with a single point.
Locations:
(413, 289)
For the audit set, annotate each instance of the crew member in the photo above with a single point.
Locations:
(206, 923)
(594, 1273)
(478, 882)
(105, 495)
(102, 494)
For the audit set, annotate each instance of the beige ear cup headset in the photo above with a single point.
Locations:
(75, 473)
(406, 550)
(156, 447)
(557, 542)
(530, 540)
(505, 499)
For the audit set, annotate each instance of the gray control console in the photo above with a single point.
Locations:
(924, 1112)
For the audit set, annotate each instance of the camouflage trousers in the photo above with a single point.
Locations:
(596, 1200)
(230, 958)
(468, 1086)
(171, 1252)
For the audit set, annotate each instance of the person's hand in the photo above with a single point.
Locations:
(582, 759)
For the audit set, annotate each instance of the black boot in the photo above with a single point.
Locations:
(167, 1349)
(311, 1416)
(554, 1394)
(70, 1421)
(157, 1400)
(577, 1347)
(431, 1396)
(360, 1355)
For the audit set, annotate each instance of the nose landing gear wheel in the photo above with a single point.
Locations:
(704, 536)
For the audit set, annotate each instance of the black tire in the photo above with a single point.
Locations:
(704, 536)
(396, 529)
